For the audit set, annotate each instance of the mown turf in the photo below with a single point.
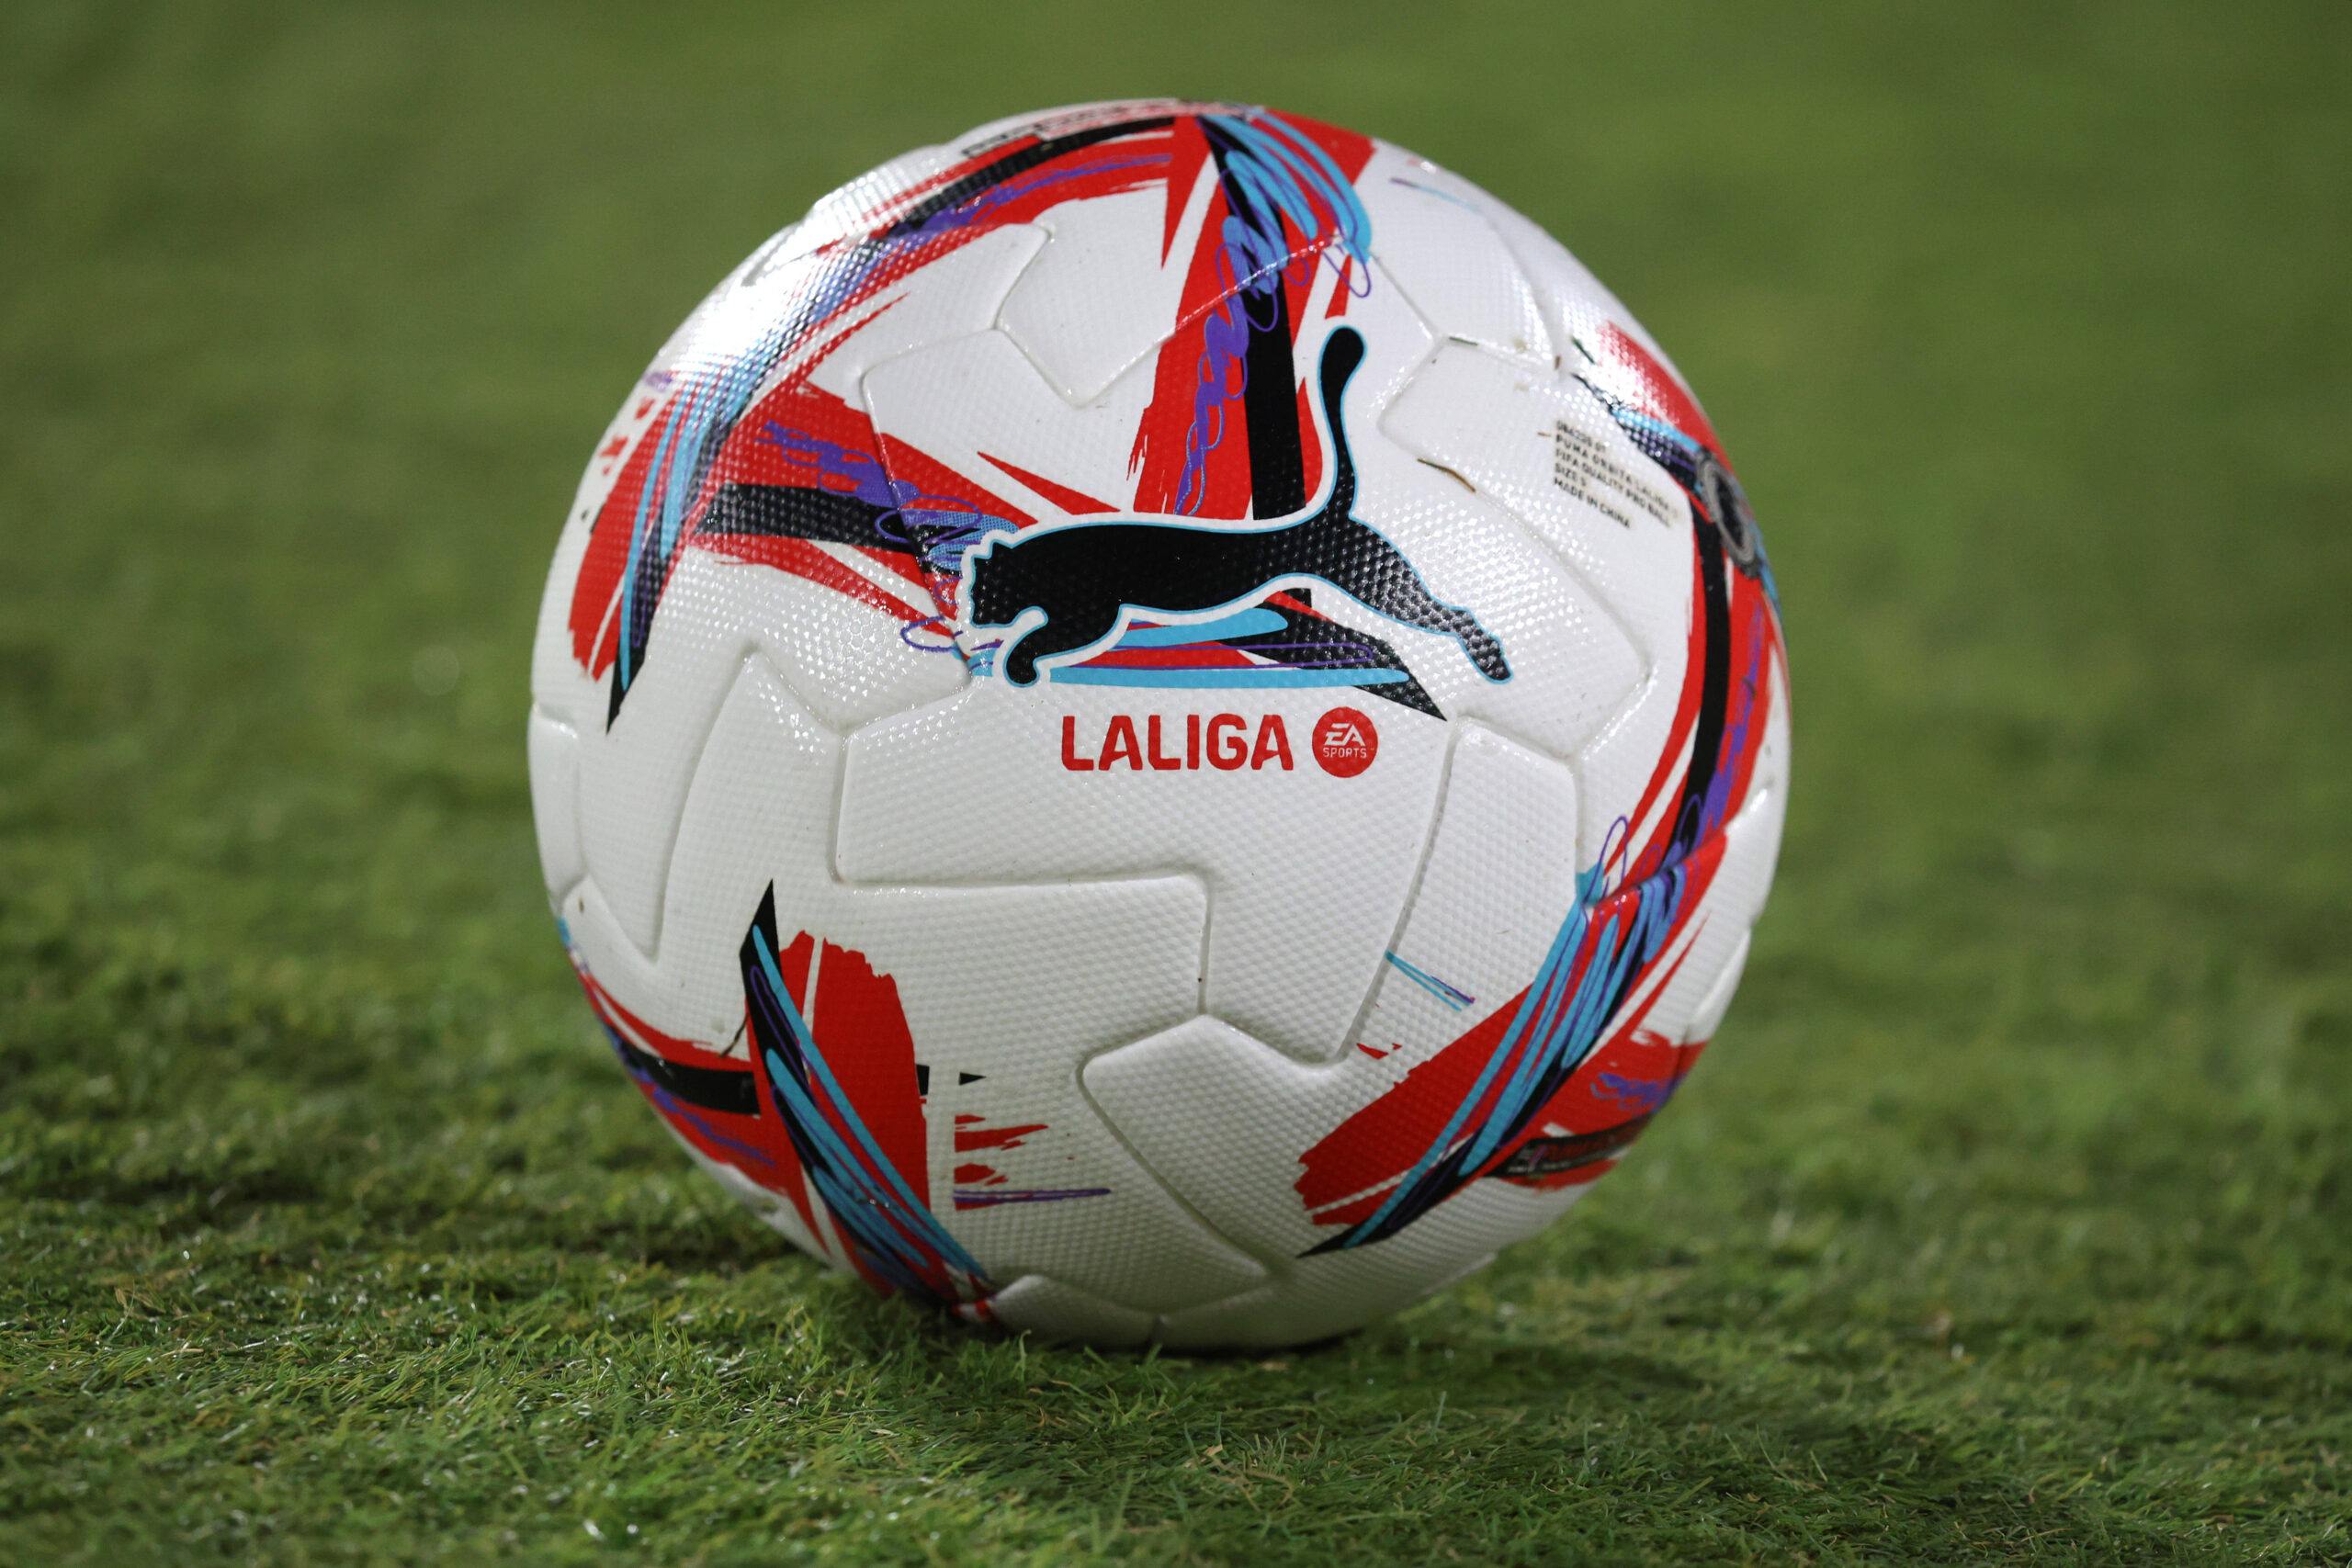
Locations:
(2008, 1219)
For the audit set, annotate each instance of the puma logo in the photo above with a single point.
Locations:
(1061, 590)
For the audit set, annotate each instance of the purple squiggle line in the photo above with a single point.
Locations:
(1225, 340)
(987, 202)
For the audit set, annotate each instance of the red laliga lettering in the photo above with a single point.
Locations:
(1224, 739)
(1119, 741)
(1164, 764)
(1227, 751)
(1273, 741)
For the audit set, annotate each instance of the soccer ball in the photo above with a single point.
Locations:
(1162, 723)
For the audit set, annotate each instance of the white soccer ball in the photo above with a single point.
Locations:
(1162, 723)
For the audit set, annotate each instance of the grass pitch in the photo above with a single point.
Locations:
(2009, 1219)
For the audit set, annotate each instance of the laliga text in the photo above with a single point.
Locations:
(1343, 742)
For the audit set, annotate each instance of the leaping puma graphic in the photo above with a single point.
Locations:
(1060, 590)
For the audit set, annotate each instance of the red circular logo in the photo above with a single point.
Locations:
(1345, 742)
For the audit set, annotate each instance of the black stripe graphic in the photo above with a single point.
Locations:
(711, 1089)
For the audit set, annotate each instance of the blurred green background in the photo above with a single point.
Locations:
(2006, 1220)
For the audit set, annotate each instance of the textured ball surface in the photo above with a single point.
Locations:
(1164, 722)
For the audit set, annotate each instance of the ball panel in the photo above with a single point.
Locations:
(747, 443)
(1448, 260)
(967, 404)
(757, 813)
(1499, 882)
(1708, 1016)
(1040, 1304)
(1109, 289)
(1398, 344)
(1571, 666)
(847, 664)
(1543, 450)
(635, 772)
(687, 1005)
(554, 752)
(1163, 1092)
(978, 407)
(1547, 451)
(956, 295)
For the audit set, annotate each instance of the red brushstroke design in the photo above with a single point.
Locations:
(970, 1135)
(755, 1144)
(859, 1026)
(1075, 502)
(1128, 162)
(1158, 457)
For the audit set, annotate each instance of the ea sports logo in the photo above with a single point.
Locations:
(1345, 742)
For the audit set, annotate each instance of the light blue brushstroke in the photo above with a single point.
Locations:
(1160, 675)
(1249, 622)
(856, 1187)
(1456, 999)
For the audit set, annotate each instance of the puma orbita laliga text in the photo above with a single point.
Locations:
(1161, 723)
